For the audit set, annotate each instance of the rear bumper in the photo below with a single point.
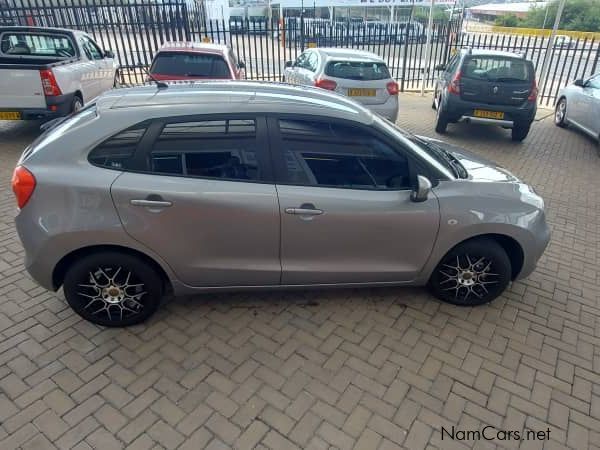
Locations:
(389, 109)
(459, 110)
(57, 106)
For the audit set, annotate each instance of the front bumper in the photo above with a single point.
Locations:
(56, 106)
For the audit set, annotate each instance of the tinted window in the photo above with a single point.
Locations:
(224, 149)
(117, 152)
(34, 44)
(496, 68)
(190, 65)
(357, 70)
(331, 155)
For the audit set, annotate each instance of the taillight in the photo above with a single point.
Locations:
(454, 86)
(49, 83)
(392, 88)
(324, 83)
(23, 184)
(534, 92)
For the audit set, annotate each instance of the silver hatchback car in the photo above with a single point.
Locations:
(237, 185)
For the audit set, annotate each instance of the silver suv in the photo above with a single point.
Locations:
(237, 185)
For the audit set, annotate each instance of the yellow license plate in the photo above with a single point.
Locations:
(10, 115)
(361, 93)
(488, 114)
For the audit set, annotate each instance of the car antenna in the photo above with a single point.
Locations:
(159, 84)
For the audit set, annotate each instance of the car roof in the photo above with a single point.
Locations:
(40, 29)
(484, 52)
(346, 53)
(239, 96)
(193, 46)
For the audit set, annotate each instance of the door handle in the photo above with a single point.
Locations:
(151, 203)
(306, 209)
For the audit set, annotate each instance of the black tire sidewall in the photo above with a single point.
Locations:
(79, 271)
(520, 132)
(441, 122)
(475, 248)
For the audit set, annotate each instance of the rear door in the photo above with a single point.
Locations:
(205, 201)
(364, 81)
(496, 80)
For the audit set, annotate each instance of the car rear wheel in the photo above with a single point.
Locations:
(441, 121)
(77, 104)
(113, 289)
(520, 132)
(560, 114)
(472, 273)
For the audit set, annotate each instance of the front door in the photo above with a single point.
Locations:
(346, 213)
(205, 205)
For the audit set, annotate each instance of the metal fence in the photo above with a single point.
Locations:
(135, 30)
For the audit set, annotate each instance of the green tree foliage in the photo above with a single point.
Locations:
(578, 15)
(507, 20)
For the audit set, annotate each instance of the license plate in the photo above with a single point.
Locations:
(361, 93)
(10, 115)
(488, 114)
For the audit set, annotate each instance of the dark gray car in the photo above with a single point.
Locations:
(489, 87)
(242, 185)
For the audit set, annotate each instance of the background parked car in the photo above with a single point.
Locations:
(279, 186)
(562, 41)
(361, 75)
(196, 61)
(579, 105)
(488, 87)
(50, 72)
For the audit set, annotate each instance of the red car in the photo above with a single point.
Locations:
(196, 61)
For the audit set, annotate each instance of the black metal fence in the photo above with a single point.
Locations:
(135, 30)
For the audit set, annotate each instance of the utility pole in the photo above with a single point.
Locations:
(427, 48)
(550, 47)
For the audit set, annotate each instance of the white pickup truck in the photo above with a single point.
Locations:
(50, 72)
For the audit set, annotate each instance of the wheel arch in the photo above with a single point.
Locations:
(60, 270)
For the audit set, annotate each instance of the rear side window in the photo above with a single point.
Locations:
(221, 149)
(37, 44)
(117, 151)
(190, 65)
(497, 69)
(357, 70)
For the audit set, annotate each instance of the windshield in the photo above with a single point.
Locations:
(357, 70)
(201, 65)
(434, 155)
(497, 68)
(37, 44)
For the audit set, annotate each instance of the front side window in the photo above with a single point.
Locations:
(117, 152)
(313, 61)
(91, 50)
(594, 82)
(357, 70)
(496, 68)
(198, 65)
(334, 155)
(37, 44)
(222, 149)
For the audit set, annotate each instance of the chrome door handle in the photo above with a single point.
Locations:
(306, 209)
(151, 203)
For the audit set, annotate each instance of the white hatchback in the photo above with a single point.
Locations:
(361, 75)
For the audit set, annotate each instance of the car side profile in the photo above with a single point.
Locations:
(579, 105)
(196, 61)
(233, 185)
(361, 75)
(488, 87)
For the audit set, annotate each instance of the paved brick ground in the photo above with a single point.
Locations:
(364, 369)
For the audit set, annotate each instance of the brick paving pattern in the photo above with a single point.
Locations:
(363, 369)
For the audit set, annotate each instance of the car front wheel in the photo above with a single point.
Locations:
(560, 114)
(472, 273)
(113, 289)
(441, 121)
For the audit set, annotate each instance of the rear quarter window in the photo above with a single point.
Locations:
(117, 152)
(497, 68)
(357, 70)
(200, 65)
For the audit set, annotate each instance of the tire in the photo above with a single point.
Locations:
(116, 81)
(441, 121)
(520, 132)
(433, 100)
(560, 113)
(94, 288)
(473, 273)
(76, 104)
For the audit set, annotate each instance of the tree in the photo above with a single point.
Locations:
(578, 15)
(507, 20)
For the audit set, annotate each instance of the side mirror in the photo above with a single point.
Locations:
(289, 64)
(109, 54)
(421, 192)
(241, 65)
(579, 83)
(440, 67)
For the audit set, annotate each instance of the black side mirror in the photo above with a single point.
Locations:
(440, 67)
(289, 64)
(109, 54)
(579, 83)
(241, 65)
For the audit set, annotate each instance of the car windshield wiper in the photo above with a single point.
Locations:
(456, 167)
